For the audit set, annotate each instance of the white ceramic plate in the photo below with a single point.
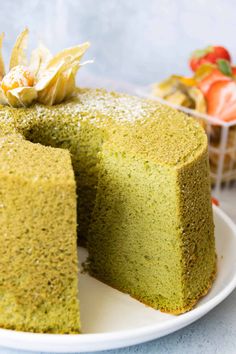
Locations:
(112, 319)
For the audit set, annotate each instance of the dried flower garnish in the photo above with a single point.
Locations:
(46, 79)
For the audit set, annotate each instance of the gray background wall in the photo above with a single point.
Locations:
(139, 41)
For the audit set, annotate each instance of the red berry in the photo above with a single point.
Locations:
(208, 55)
(221, 100)
(206, 83)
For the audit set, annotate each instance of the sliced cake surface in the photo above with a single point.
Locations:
(38, 253)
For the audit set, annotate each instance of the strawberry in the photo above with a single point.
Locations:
(234, 70)
(216, 75)
(208, 55)
(215, 201)
(221, 100)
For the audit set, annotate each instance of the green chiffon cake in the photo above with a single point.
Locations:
(143, 207)
(126, 177)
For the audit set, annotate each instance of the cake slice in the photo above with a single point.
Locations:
(38, 253)
(152, 234)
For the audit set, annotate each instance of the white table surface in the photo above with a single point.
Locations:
(214, 333)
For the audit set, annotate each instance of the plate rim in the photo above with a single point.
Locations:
(60, 343)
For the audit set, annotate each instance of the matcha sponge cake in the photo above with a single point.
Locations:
(152, 233)
(38, 254)
(133, 174)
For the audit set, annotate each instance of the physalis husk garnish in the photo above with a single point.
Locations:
(46, 79)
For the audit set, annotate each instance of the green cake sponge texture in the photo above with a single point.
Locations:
(38, 253)
(152, 234)
(143, 207)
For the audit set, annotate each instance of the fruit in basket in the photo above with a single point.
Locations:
(215, 76)
(233, 71)
(211, 90)
(218, 88)
(221, 100)
(182, 91)
(210, 54)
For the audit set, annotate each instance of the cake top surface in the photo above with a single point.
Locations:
(98, 105)
(161, 134)
(119, 107)
(7, 124)
(142, 127)
(33, 161)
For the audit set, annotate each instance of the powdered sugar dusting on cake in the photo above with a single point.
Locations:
(120, 107)
(98, 104)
